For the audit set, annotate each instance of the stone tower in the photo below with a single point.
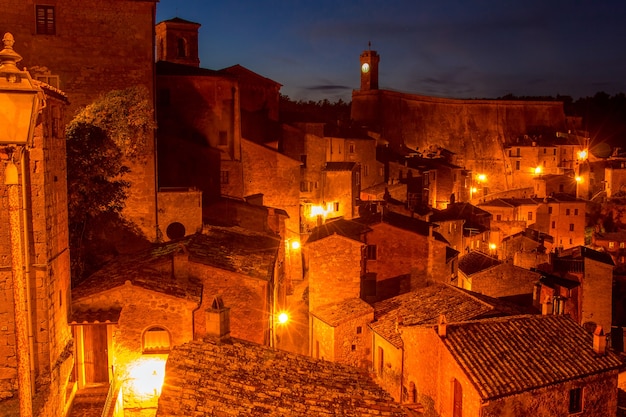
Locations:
(369, 70)
(177, 41)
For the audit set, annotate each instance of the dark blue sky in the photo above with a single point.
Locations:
(445, 48)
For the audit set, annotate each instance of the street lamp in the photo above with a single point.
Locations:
(20, 99)
(20, 104)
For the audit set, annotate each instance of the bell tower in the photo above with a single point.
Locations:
(177, 41)
(369, 69)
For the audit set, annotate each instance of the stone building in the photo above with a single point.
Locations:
(487, 275)
(465, 226)
(422, 308)
(517, 366)
(88, 51)
(592, 303)
(614, 243)
(403, 254)
(562, 216)
(36, 357)
(128, 316)
(510, 216)
(527, 249)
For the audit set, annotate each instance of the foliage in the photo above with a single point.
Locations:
(322, 111)
(125, 115)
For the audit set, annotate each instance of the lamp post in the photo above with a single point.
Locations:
(20, 103)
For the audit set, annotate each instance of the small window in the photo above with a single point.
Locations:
(371, 252)
(336, 206)
(182, 48)
(353, 348)
(575, 400)
(553, 224)
(621, 245)
(351, 148)
(549, 210)
(223, 138)
(530, 215)
(156, 340)
(498, 217)
(575, 212)
(381, 360)
(567, 212)
(571, 227)
(45, 20)
(611, 245)
(359, 329)
(224, 177)
(366, 170)
(517, 165)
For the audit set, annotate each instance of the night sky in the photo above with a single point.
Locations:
(459, 49)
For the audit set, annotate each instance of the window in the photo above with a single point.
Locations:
(359, 329)
(576, 400)
(518, 152)
(224, 177)
(155, 340)
(545, 150)
(571, 227)
(611, 245)
(575, 212)
(336, 206)
(498, 217)
(549, 210)
(182, 48)
(517, 165)
(457, 401)
(530, 215)
(553, 224)
(381, 360)
(370, 252)
(305, 186)
(366, 170)
(353, 348)
(45, 20)
(223, 138)
(621, 245)
(351, 148)
(567, 212)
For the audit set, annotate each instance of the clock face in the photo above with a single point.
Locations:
(365, 68)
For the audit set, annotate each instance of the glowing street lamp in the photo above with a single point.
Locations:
(538, 170)
(579, 179)
(481, 177)
(582, 154)
(295, 245)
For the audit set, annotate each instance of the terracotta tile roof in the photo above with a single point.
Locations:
(342, 227)
(424, 306)
(95, 316)
(238, 378)
(476, 261)
(232, 249)
(581, 252)
(401, 221)
(335, 314)
(508, 355)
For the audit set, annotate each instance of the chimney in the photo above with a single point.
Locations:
(442, 326)
(218, 320)
(599, 341)
(180, 263)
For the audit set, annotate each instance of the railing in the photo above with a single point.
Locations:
(110, 400)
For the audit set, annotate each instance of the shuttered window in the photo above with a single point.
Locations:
(46, 22)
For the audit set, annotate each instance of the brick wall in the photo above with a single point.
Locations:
(334, 262)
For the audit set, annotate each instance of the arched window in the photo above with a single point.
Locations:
(156, 340)
(182, 48)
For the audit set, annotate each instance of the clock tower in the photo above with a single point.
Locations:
(369, 70)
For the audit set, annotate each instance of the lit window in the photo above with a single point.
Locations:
(156, 339)
(45, 20)
(575, 400)
(621, 245)
(611, 245)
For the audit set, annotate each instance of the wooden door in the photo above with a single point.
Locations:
(96, 354)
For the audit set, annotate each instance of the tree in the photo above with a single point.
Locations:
(102, 136)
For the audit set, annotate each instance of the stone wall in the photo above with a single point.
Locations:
(597, 290)
(180, 206)
(476, 130)
(334, 262)
(387, 365)
(504, 280)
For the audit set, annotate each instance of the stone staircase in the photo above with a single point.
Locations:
(89, 401)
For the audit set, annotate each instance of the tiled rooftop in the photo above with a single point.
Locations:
(424, 306)
(238, 378)
(402, 222)
(342, 227)
(232, 249)
(509, 355)
(335, 314)
(476, 261)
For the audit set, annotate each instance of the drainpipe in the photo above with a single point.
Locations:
(27, 273)
(19, 293)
